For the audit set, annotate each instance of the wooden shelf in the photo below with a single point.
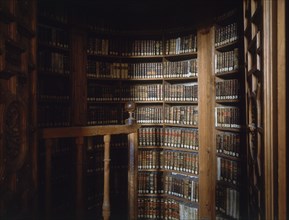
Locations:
(143, 79)
(229, 129)
(226, 156)
(193, 78)
(181, 56)
(180, 125)
(148, 102)
(181, 102)
(168, 148)
(227, 101)
(228, 46)
(189, 174)
(227, 74)
(157, 58)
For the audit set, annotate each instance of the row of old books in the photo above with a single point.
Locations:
(228, 170)
(53, 62)
(228, 143)
(226, 61)
(180, 69)
(176, 160)
(227, 89)
(226, 34)
(175, 137)
(127, 47)
(184, 115)
(107, 70)
(181, 92)
(143, 92)
(227, 203)
(124, 47)
(52, 36)
(185, 187)
(227, 117)
(111, 70)
(104, 115)
(53, 115)
(181, 186)
(165, 208)
(180, 45)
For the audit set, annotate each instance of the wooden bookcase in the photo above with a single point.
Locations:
(230, 117)
(141, 69)
(177, 78)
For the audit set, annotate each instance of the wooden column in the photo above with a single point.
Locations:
(270, 109)
(281, 103)
(132, 175)
(48, 153)
(79, 177)
(207, 152)
(106, 202)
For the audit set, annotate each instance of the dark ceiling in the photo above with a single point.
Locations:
(146, 13)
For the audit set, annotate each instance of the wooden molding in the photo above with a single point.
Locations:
(281, 100)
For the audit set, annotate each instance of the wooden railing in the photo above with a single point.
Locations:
(79, 133)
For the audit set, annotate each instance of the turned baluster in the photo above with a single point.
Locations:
(106, 201)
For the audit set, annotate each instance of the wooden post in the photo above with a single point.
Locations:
(281, 100)
(132, 176)
(79, 177)
(48, 153)
(207, 154)
(106, 202)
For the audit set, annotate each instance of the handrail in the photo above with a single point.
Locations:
(48, 134)
(87, 131)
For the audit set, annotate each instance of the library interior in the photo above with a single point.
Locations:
(122, 110)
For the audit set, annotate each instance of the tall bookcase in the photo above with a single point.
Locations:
(54, 69)
(159, 73)
(230, 116)
(54, 104)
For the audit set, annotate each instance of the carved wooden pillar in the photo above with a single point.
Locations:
(48, 148)
(106, 202)
(79, 177)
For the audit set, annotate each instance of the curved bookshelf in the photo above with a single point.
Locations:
(229, 81)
